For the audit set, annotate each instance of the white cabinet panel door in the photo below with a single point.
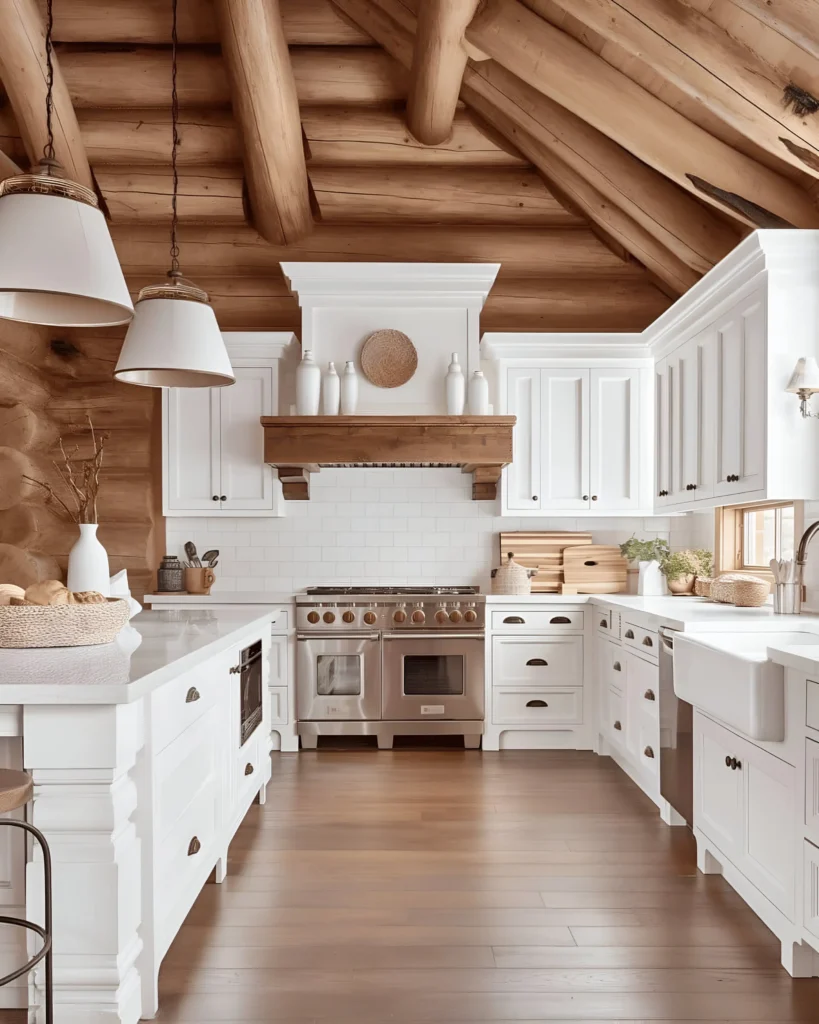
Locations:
(523, 476)
(696, 407)
(662, 406)
(192, 477)
(615, 439)
(768, 859)
(676, 485)
(247, 481)
(565, 439)
(718, 788)
(741, 407)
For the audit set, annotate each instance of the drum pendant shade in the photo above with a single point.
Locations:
(58, 265)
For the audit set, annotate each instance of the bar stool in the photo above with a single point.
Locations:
(16, 789)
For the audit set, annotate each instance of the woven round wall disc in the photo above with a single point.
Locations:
(388, 359)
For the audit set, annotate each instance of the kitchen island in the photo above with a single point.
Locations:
(146, 755)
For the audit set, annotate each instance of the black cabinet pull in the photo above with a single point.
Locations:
(648, 752)
(732, 763)
(536, 704)
(617, 666)
(560, 620)
(534, 497)
(538, 662)
(192, 695)
(647, 641)
(727, 760)
(514, 620)
(594, 497)
(585, 497)
(223, 498)
(629, 634)
(618, 726)
(215, 497)
(649, 695)
(604, 624)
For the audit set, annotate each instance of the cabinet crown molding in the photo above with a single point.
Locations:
(583, 348)
(259, 344)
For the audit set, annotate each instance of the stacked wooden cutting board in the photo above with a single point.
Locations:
(567, 562)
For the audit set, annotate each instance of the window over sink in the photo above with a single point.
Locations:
(749, 536)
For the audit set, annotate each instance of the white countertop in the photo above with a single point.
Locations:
(802, 657)
(156, 647)
(222, 597)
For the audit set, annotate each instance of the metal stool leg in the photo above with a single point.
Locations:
(45, 933)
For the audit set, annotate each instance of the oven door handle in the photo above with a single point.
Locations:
(305, 637)
(443, 635)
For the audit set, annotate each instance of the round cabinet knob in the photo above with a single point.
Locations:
(223, 498)
(534, 497)
(470, 615)
(329, 617)
(215, 497)
(440, 616)
(455, 615)
(313, 617)
(418, 616)
(594, 497)
(585, 497)
(399, 616)
(369, 618)
(348, 617)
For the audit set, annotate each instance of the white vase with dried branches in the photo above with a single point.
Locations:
(80, 477)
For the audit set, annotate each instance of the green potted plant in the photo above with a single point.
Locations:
(648, 554)
(681, 569)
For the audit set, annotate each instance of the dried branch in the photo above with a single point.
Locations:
(52, 496)
(80, 477)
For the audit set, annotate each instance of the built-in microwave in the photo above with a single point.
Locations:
(251, 682)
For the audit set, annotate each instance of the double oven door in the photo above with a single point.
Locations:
(338, 678)
(429, 676)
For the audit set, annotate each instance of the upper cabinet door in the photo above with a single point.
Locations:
(191, 456)
(740, 389)
(565, 439)
(662, 440)
(615, 429)
(523, 475)
(247, 481)
(696, 408)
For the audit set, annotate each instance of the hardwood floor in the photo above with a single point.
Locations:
(447, 885)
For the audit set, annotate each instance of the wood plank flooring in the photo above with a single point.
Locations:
(426, 885)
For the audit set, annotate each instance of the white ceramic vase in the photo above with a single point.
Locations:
(88, 563)
(349, 390)
(651, 582)
(478, 394)
(308, 386)
(455, 388)
(330, 391)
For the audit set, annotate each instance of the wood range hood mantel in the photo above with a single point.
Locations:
(297, 446)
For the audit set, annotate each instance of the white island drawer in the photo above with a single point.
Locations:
(181, 702)
(811, 889)
(183, 768)
(553, 661)
(561, 706)
(812, 714)
(527, 620)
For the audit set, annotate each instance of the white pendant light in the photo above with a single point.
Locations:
(58, 266)
(174, 340)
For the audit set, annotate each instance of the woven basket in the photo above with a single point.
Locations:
(741, 589)
(702, 586)
(511, 578)
(65, 625)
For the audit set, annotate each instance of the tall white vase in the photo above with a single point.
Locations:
(88, 562)
(349, 390)
(651, 582)
(308, 386)
(330, 391)
(478, 394)
(455, 388)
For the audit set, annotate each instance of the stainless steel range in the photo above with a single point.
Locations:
(390, 661)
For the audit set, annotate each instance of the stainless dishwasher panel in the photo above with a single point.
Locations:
(676, 736)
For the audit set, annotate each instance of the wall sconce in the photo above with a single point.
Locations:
(805, 382)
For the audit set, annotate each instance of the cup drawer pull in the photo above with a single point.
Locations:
(249, 768)
(617, 666)
(192, 695)
(629, 634)
(514, 620)
(536, 704)
(649, 752)
(194, 846)
(560, 620)
(537, 661)
(647, 641)
(604, 624)
(618, 726)
(650, 695)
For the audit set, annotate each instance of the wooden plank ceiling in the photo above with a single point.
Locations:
(606, 152)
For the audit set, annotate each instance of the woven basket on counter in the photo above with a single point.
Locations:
(511, 578)
(63, 625)
(741, 589)
(702, 586)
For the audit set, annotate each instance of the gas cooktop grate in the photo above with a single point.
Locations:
(393, 590)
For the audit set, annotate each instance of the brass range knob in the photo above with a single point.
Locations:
(441, 616)
(313, 616)
(470, 615)
(369, 618)
(418, 616)
(329, 617)
(399, 615)
(348, 617)
(455, 615)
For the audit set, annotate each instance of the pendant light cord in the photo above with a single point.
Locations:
(49, 160)
(174, 271)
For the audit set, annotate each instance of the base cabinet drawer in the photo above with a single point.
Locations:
(646, 641)
(527, 620)
(553, 661)
(616, 722)
(811, 889)
(812, 711)
(558, 706)
(178, 704)
(812, 789)
(647, 746)
(183, 768)
(248, 772)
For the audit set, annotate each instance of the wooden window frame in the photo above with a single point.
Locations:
(728, 535)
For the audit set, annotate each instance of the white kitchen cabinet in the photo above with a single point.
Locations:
(718, 795)
(663, 406)
(213, 443)
(810, 891)
(523, 478)
(564, 432)
(614, 412)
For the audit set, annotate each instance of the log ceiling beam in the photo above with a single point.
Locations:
(8, 168)
(438, 64)
(706, 64)
(23, 75)
(267, 108)
(651, 217)
(575, 77)
(793, 19)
